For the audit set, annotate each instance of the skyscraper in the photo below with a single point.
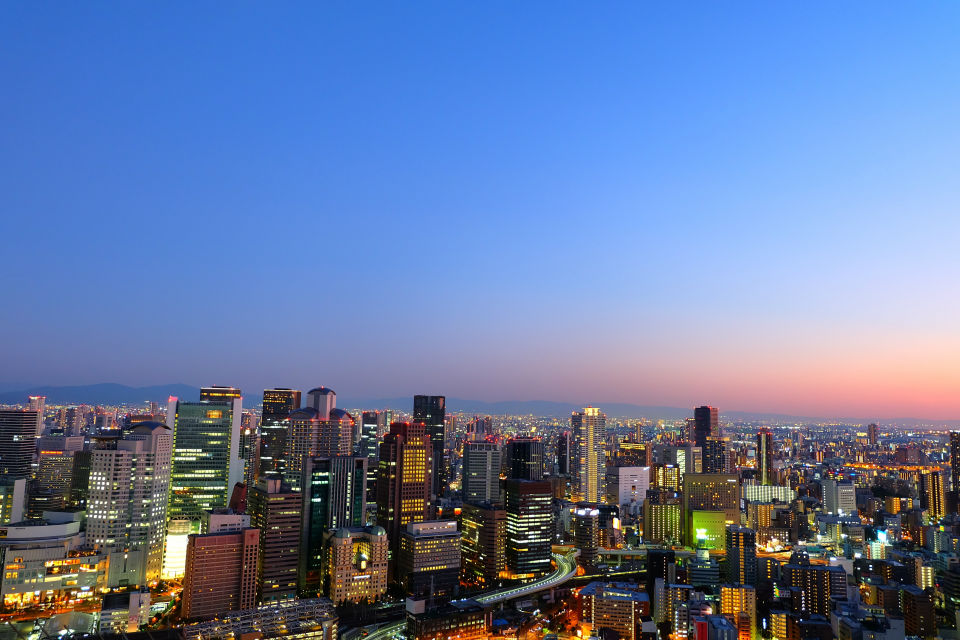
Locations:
(278, 404)
(483, 545)
(839, 496)
(334, 496)
(404, 479)
(221, 573)
(741, 555)
(932, 495)
(432, 412)
(481, 472)
(714, 458)
(765, 457)
(589, 429)
(127, 503)
(528, 504)
(355, 568)
(706, 423)
(276, 510)
(317, 430)
(217, 393)
(429, 560)
(18, 433)
(872, 434)
(524, 458)
(206, 456)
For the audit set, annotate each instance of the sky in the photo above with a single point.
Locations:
(753, 206)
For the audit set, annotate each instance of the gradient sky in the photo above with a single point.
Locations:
(752, 206)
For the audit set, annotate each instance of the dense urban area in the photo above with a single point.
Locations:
(203, 519)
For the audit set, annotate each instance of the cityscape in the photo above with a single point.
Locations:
(203, 518)
(426, 320)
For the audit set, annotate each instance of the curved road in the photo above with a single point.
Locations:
(566, 568)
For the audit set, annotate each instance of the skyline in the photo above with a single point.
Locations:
(752, 209)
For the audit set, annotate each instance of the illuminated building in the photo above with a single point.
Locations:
(662, 518)
(524, 458)
(708, 529)
(564, 446)
(55, 467)
(768, 493)
(250, 449)
(220, 394)
(932, 496)
(483, 542)
(278, 404)
(221, 573)
(206, 456)
(458, 620)
(310, 619)
(13, 499)
(481, 472)
(706, 423)
(627, 486)
(666, 476)
(334, 496)
(872, 434)
(373, 426)
(703, 569)
(589, 429)
(666, 599)
(403, 479)
(47, 562)
(355, 563)
(717, 492)
(586, 532)
(617, 606)
(429, 560)
(738, 603)
(714, 455)
(127, 503)
(741, 555)
(765, 457)
(276, 510)
(18, 432)
(817, 585)
(529, 519)
(919, 615)
(431, 411)
(124, 612)
(317, 430)
(839, 497)
(175, 548)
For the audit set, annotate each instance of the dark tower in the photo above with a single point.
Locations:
(277, 405)
(432, 412)
(524, 458)
(765, 456)
(706, 423)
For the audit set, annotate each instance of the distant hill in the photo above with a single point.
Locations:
(106, 393)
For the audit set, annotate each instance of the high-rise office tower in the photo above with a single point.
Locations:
(524, 458)
(563, 453)
(714, 458)
(483, 543)
(706, 423)
(250, 449)
(481, 471)
(817, 585)
(741, 555)
(18, 438)
(217, 393)
(429, 560)
(660, 564)
(127, 503)
(955, 463)
(334, 496)
(355, 569)
(839, 496)
(206, 455)
(872, 434)
(586, 532)
(404, 479)
(662, 517)
(932, 495)
(319, 429)
(278, 404)
(370, 433)
(221, 573)
(589, 429)
(432, 412)
(528, 504)
(276, 510)
(765, 457)
(627, 486)
(55, 467)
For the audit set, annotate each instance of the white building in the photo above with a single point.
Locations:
(627, 487)
(839, 497)
(127, 503)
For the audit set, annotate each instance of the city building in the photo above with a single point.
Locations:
(529, 519)
(765, 457)
(816, 585)
(355, 563)
(741, 546)
(932, 495)
(334, 496)
(627, 486)
(483, 542)
(586, 532)
(589, 429)
(403, 479)
(18, 433)
(524, 458)
(662, 518)
(714, 455)
(275, 509)
(616, 606)
(127, 503)
(221, 573)
(459, 620)
(481, 472)
(706, 423)
(839, 497)
(429, 560)
(317, 430)
(278, 404)
(206, 455)
(738, 603)
(431, 412)
(309, 619)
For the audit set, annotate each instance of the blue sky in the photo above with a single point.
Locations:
(752, 206)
